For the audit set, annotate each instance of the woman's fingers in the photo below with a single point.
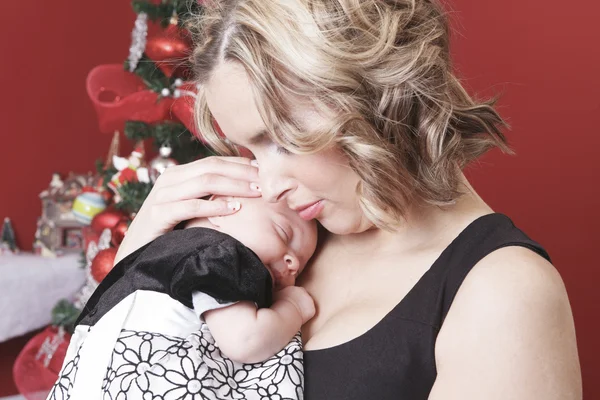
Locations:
(204, 185)
(171, 214)
(233, 167)
(240, 160)
(176, 196)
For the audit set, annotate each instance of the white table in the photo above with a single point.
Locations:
(30, 286)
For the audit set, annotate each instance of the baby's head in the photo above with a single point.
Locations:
(280, 238)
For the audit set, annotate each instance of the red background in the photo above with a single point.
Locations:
(544, 60)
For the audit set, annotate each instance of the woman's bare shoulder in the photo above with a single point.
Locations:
(511, 326)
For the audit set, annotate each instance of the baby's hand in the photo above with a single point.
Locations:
(299, 297)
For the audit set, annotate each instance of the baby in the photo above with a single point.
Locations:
(196, 312)
(284, 242)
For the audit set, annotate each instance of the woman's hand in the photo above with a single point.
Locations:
(178, 192)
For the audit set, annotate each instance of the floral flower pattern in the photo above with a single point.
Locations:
(153, 366)
(62, 387)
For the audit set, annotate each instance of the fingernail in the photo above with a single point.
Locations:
(233, 205)
(255, 186)
(254, 163)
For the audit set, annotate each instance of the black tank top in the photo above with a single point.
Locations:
(395, 359)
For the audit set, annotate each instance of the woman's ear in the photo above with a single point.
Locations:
(292, 264)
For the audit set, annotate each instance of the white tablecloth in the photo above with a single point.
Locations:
(30, 286)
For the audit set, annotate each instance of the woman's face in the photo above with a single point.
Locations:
(321, 185)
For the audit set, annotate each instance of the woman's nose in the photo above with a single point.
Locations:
(273, 184)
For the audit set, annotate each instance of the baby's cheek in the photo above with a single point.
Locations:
(277, 275)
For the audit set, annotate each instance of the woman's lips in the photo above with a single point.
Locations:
(311, 211)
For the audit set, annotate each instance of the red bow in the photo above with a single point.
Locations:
(119, 96)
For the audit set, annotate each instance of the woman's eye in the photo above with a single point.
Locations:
(282, 150)
(277, 149)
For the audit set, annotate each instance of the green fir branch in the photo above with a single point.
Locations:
(155, 12)
(163, 11)
(82, 260)
(133, 195)
(186, 147)
(65, 314)
(187, 9)
(106, 174)
(152, 76)
(138, 130)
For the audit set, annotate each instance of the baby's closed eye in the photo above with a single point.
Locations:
(285, 234)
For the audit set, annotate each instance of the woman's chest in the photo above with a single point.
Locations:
(392, 360)
(353, 292)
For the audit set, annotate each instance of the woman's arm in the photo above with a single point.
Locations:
(509, 334)
(248, 335)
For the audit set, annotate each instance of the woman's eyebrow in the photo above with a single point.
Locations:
(258, 138)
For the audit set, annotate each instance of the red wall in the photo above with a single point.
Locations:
(543, 58)
(48, 124)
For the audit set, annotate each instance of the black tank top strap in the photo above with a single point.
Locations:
(485, 235)
(431, 298)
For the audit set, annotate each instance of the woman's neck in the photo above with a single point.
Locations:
(422, 227)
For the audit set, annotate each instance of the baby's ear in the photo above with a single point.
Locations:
(292, 264)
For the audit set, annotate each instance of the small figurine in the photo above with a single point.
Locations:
(130, 169)
(56, 183)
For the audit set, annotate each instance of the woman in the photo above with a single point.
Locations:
(354, 118)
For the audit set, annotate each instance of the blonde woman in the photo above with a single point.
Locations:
(355, 119)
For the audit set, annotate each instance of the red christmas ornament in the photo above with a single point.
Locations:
(118, 231)
(103, 263)
(170, 50)
(32, 377)
(108, 196)
(106, 219)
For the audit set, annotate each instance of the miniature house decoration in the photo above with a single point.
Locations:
(58, 231)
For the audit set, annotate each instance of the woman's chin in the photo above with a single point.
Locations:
(345, 225)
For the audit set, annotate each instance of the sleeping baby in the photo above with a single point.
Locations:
(206, 312)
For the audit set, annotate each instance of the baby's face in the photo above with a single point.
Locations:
(280, 238)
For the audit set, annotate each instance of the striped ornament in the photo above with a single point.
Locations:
(87, 205)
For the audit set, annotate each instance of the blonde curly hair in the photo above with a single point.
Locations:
(402, 118)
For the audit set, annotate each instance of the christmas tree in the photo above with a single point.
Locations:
(7, 239)
(149, 99)
(161, 111)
